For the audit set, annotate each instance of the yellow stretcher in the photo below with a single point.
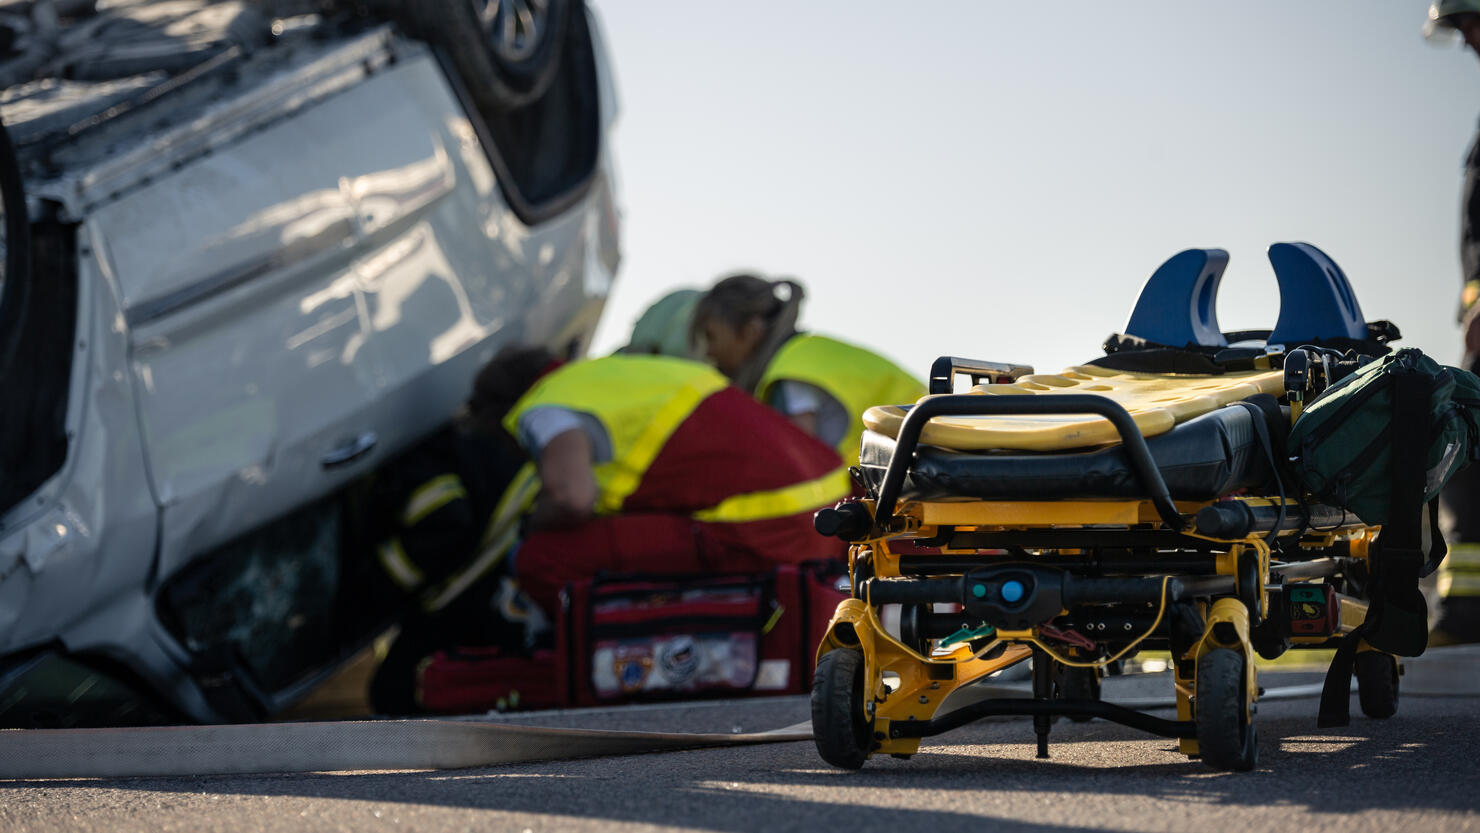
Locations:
(993, 559)
(1077, 518)
(1155, 402)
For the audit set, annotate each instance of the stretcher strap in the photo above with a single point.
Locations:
(1261, 429)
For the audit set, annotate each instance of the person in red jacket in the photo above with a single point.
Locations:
(656, 464)
(638, 462)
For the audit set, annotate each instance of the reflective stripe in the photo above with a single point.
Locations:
(393, 558)
(1462, 557)
(498, 539)
(779, 503)
(1457, 585)
(431, 496)
(623, 480)
(515, 501)
(1459, 572)
(639, 400)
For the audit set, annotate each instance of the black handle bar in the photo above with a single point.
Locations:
(1142, 463)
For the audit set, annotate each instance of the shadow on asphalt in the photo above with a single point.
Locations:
(1370, 764)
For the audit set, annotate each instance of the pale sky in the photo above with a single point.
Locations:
(997, 179)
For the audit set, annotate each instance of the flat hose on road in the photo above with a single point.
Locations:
(450, 744)
(328, 746)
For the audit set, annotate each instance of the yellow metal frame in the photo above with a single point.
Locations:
(925, 682)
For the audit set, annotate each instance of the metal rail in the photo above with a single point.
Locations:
(1022, 706)
(1134, 444)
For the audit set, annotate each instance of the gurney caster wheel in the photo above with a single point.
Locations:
(1078, 684)
(1225, 736)
(1377, 683)
(843, 733)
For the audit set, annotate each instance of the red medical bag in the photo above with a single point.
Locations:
(635, 638)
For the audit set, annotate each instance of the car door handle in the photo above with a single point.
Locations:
(350, 451)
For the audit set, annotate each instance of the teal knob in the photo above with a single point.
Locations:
(979, 590)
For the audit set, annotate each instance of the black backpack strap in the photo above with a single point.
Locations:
(1397, 620)
(1397, 615)
(1336, 694)
(1438, 547)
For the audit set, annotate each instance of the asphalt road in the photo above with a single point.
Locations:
(1418, 771)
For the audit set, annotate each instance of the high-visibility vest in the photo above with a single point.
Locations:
(640, 401)
(858, 378)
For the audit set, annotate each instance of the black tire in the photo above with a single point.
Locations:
(1226, 737)
(1377, 683)
(1079, 684)
(498, 76)
(843, 734)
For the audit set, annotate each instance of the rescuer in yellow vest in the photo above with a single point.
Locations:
(747, 327)
(657, 464)
(635, 462)
(648, 460)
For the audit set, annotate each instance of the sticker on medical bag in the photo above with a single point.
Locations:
(674, 663)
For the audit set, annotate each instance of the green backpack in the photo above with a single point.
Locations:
(1342, 444)
(1381, 443)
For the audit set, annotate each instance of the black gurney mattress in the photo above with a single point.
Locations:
(1201, 459)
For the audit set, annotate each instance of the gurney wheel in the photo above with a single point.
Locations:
(1079, 684)
(1225, 736)
(844, 735)
(1377, 683)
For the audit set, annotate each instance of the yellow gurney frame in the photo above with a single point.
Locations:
(1192, 577)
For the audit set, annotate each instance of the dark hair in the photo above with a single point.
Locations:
(508, 376)
(737, 299)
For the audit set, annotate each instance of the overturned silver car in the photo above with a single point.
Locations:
(252, 250)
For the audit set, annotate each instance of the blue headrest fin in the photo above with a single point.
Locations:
(1178, 304)
(1316, 300)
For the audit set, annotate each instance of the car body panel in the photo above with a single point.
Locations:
(326, 257)
(90, 532)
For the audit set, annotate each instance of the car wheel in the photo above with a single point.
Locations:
(507, 51)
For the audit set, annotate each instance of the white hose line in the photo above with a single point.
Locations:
(448, 744)
(328, 746)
